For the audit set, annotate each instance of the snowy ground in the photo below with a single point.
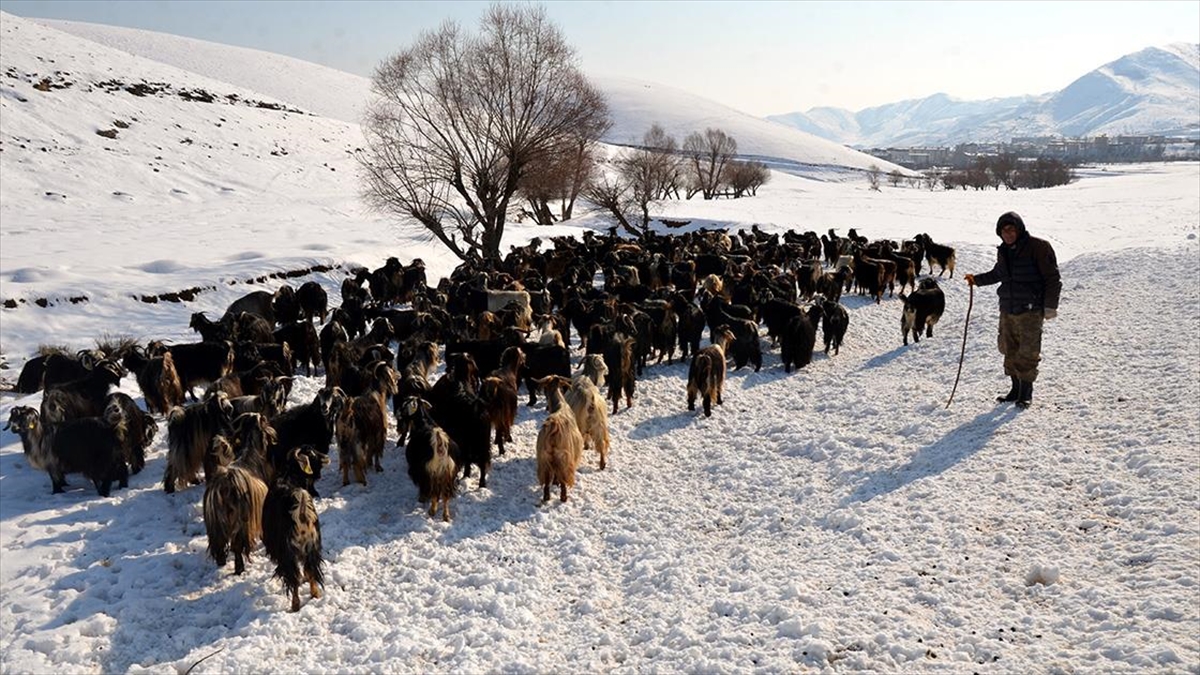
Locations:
(839, 518)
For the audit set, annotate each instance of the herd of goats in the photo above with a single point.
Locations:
(498, 325)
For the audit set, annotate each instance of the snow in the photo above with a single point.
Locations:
(839, 518)
(635, 104)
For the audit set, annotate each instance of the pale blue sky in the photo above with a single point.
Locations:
(760, 57)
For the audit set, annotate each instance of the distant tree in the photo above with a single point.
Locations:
(931, 178)
(626, 190)
(1044, 172)
(559, 177)
(977, 175)
(457, 120)
(743, 177)
(707, 154)
(895, 177)
(873, 173)
(1004, 170)
(667, 174)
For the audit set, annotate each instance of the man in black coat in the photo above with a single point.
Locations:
(1027, 271)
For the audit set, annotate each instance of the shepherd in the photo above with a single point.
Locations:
(1027, 271)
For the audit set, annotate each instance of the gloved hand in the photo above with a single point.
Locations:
(1048, 313)
(970, 279)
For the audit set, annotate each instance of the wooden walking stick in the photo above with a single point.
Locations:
(970, 303)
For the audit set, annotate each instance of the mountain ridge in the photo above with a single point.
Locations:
(1152, 91)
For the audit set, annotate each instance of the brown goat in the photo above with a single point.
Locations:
(559, 443)
(233, 505)
(362, 426)
(157, 378)
(499, 392)
(706, 376)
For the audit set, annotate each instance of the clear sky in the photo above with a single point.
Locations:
(759, 57)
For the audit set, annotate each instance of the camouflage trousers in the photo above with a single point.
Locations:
(1021, 344)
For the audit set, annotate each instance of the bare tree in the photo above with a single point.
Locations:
(743, 177)
(873, 173)
(667, 175)
(457, 119)
(627, 191)
(558, 178)
(931, 178)
(1004, 170)
(895, 176)
(707, 154)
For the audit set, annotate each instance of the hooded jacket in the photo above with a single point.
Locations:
(1027, 271)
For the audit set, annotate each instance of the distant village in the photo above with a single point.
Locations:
(1125, 149)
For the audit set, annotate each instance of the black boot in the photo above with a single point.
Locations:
(1026, 395)
(1012, 393)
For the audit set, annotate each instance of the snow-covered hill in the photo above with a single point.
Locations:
(1153, 91)
(635, 105)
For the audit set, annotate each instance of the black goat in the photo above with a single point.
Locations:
(690, 324)
(464, 416)
(746, 347)
(92, 446)
(197, 363)
(499, 391)
(84, 397)
(937, 254)
(311, 424)
(830, 284)
(430, 454)
(415, 364)
(291, 530)
(140, 430)
(314, 302)
(834, 322)
(775, 314)
(799, 339)
(922, 310)
(304, 342)
(209, 330)
(247, 355)
(60, 367)
(542, 360)
(286, 305)
(269, 401)
(190, 431)
(331, 334)
(255, 302)
(619, 359)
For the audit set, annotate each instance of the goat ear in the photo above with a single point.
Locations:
(302, 461)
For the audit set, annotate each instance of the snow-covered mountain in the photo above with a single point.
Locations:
(635, 105)
(1153, 91)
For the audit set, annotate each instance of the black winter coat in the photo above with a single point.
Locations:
(1028, 276)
